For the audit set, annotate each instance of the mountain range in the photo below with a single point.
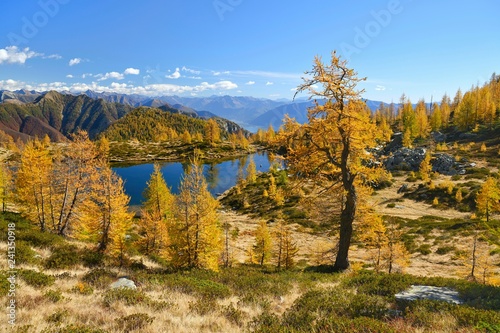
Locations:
(58, 114)
(28, 114)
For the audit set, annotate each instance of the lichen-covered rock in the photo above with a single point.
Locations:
(123, 283)
(429, 292)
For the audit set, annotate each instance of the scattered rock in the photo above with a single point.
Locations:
(445, 164)
(395, 144)
(403, 188)
(123, 283)
(405, 159)
(429, 292)
(438, 137)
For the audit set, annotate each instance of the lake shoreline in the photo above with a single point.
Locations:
(135, 153)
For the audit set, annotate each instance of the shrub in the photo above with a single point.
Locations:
(356, 325)
(74, 329)
(445, 249)
(24, 253)
(92, 259)
(4, 283)
(233, 315)
(82, 288)
(424, 249)
(203, 306)
(53, 295)
(125, 295)
(133, 322)
(380, 284)
(63, 257)
(40, 239)
(266, 322)
(99, 278)
(57, 317)
(36, 279)
(199, 286)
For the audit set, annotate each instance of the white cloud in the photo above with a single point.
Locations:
(216, 73)
(110, 75)
(380, 88)
(250, 83)
(53, 56)
(123, 88)
(269, 83)
(75, 61)
(132, 71)
(69, 76)
(14, 55)
(192, 71)
(12, 85)
(175, 75)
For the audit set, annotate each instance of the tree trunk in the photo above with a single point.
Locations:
(349, 208)
(346, 220)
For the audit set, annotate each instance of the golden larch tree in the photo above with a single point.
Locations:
(196, 236)
(157, 215)
(330, 148)
(212, 132)
(285, 247)
(104, 219)
(5, 185)
(262, 247)
(488, 197)
(33, 183)
(251, 172)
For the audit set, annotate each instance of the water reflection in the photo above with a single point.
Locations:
(220, 175)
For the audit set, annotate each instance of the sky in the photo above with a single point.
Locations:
(257, 48)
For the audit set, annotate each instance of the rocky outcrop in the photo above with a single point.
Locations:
(405, 159)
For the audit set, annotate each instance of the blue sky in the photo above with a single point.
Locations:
(254, 48)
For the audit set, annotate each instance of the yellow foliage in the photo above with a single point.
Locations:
(195, 237)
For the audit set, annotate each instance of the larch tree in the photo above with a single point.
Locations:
(464, 116)
(285, 247)
(33, 183)
(488, 199)
(157, 215)
(330, 148)
(422, 120)
(394, 255)
(445, 109)
(408, 121)
(196, 236)
(104, 219)
(373, 235)
(5, 185)
(262, 247)
(71, 178)
(212, 132)
(251, 172)
(436, 118)
(426, 168)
